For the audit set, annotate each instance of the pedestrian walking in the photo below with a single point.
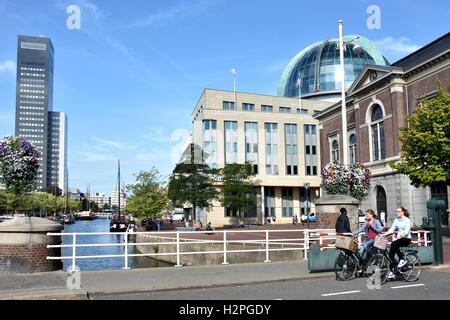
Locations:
(268, 221)
(294, 220)
(274, 220)
(342, 222)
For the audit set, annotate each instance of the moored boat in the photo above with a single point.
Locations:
(118, 223)
(86, 215)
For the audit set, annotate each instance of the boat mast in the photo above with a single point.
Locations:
(118, 195)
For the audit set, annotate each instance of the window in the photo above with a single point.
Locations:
(251, 144)
(310, 150)
(269, 198)
(210, 143)
(335, 150)
(266, 108)
(302, 111)
(248, 107)
(227, 105)
(230, 142)
(285, 110)
(287, 202)
(290, 138)
(377, 132)
(352, 148)
(230, 212)
(271, 133)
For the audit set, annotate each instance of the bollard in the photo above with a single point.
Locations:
(434, 224)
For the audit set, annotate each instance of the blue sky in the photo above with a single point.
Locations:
(131, 76)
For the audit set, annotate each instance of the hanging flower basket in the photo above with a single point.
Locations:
(353, 180)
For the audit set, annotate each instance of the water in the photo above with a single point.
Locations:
(102, 225)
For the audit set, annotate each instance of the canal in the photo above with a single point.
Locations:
(102, 225)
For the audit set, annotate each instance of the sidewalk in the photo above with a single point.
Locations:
(94, 283)
(52, 285)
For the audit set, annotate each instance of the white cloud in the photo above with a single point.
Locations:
(115, 144)
(92, 157)
(184, 8)
(8, 66)
(401, 45)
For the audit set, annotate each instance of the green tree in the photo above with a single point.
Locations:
(425, 154)
(148, 197)
(238, 190)
(193, 183)
(106, 206)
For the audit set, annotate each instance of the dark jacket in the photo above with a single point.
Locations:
(343, 224)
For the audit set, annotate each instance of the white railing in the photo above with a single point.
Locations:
(268, 241)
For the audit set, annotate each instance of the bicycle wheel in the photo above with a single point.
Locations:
(345, 266)
(378, 264)
(411, 270)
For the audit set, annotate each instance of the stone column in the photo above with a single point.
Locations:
(23, 245)
(328, 210)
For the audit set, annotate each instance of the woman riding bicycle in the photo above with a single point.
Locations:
(403, 225)
(372, 227)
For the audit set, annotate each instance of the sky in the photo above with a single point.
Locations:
(130, 76)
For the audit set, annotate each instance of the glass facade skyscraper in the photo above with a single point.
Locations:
(34, 105)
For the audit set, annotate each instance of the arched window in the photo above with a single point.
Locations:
(377, 127)
(352, 148)
(335, 150)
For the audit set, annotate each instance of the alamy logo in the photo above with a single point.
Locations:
(74, 20)
(74, 280)
(374, 20)
(374, 281)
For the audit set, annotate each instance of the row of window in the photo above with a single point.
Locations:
(31, 80)
(376, 135)
(31, 113)
(26, 85)
(31, 108)
(32, 119)
(26, 74)
(31, 102)
(31, 69)
(30, 130)
(271, 146)
(31, 91)
(32, 124)
(229, 105)
(31, 97)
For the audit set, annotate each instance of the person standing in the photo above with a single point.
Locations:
(268, 221)
(342, 222)
(274, 220)
(403, 226)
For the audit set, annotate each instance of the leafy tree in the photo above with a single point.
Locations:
(238, 190)
(106, 206)
(18, 165)
(148, 195)
(193, 183)
(426, 143)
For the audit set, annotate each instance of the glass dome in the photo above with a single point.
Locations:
(318, 67)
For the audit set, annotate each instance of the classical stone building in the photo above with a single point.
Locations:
(375, 103)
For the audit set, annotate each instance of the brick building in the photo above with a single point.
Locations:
(376, 101)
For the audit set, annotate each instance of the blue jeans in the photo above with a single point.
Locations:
(366, 249)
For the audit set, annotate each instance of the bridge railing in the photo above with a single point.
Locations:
(269, 241)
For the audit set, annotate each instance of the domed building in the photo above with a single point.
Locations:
(318, 67)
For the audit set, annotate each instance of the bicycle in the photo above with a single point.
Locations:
(347, 264)
(410, 271)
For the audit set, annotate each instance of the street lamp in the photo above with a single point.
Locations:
(356, 49)
(306, 184)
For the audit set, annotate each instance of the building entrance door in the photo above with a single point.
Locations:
(381, 202)
(439, 191)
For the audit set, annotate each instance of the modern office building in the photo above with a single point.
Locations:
(318, 67)
(115, 199)
(35, 119)
(278, 135)
(376, 102)
(101, 199)
(57, 150)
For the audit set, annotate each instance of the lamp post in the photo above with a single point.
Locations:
(357, 50)
(306, 184)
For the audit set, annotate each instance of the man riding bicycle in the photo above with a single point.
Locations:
(372, 227)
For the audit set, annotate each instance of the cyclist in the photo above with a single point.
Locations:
(403, 225)
(372, 227)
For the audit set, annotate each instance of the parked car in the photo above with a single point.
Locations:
(312, 217)
(178, 216)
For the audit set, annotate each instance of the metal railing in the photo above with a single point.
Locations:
(268, 241)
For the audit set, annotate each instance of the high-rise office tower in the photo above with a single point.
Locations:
(57, 150)
(35, 119)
